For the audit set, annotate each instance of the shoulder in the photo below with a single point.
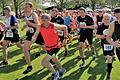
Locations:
(34, 14)
(78, 18)
(113, 23)
(13, 17)
(88, 17)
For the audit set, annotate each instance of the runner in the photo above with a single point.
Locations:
(59, 20)
(99, 17)
(86, 24)
(50, 36)
(68, 20)
(11, 33)
(114, 30)
(32, 21)
(108, 49)
(2, 26)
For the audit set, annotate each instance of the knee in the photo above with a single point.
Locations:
(55, 60)
(4, 46)
(109, 59)
(44, 62)
(80, 46)
(26, 50)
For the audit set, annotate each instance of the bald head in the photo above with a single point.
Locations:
(46, 16)
(45, 19)
(106, 18)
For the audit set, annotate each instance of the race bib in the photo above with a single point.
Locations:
(30, 29)
(82, 24)
(9, 33)
(60, 33)
(99, 23)
(108, 47)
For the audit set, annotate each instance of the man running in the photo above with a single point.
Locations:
(11, 33)
(31, 19)
(50, 36)
(86, 24)
(59, 20)
(108, 49)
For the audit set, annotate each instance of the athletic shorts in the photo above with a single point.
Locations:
(15, 37)
(39, 39)
(86, 35)
(29, 36)
(69, 30)
(53, 51)
(110, 53)
(61, 38)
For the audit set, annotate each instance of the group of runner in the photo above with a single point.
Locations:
(55, 30)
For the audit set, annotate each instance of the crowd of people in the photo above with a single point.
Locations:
(57, 29)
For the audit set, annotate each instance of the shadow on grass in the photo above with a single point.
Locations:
(16, 66)
(36, 76)
(77, 74)
(99, 69)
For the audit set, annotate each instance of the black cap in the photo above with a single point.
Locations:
(117, 10)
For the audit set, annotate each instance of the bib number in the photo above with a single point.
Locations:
(60, 33)
(31, 30)
(9, 33)
(99, 23)
(108, 47)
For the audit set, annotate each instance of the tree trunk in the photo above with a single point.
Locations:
(93, 4)
(16, 7)
(3, 5)
(61, 5)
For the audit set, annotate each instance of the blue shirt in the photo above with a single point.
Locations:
(67, 21)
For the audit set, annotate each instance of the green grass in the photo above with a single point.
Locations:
(95, 70)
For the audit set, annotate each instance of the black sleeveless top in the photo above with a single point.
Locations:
(31, 19)
(117, 30)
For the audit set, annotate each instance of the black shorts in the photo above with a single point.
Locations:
(110, 53)
(40, 40)
(86, 35)
(69, 30)
(1, 35)
(29, 36)
(15, 37)
(53, 51)
(61, 38)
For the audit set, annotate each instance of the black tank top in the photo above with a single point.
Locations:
(99, 19)
(31, 28)
(31, 19)
(117, 30)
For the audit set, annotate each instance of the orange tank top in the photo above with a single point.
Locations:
(50, 36)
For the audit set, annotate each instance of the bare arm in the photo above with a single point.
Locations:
(110, 33)
(100, 36)
(91, 27)
(35, 19)
(24, 26)
(37, 30)
(36, 33)
(61, 27)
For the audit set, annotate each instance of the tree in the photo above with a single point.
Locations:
(17, 6)
(3, 5)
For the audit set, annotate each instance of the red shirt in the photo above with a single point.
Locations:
(50, 36)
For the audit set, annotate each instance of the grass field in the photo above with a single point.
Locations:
(94, 70)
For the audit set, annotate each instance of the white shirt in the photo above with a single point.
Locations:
(8, 22)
